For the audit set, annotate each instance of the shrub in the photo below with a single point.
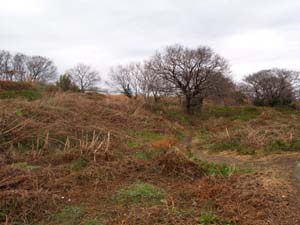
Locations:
(65, 83)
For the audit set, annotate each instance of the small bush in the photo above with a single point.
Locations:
(141, 193)
(65, 83)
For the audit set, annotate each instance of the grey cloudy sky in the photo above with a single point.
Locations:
(252, 35)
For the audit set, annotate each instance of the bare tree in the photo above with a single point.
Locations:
(6, 65)
(40, 69)
(272, 87)
(126, 79)
(191, 71)
(19, 66)
(151, 84)
(223, 88)
(84, 76)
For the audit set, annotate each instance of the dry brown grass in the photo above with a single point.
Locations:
(75, 147)
(11, 85)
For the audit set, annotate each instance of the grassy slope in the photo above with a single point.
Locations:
(91, 159)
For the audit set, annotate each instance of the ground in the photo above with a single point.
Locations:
(71, 158)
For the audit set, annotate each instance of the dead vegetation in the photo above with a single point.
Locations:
(67, 157)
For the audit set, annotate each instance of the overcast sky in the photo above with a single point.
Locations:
(252, 35)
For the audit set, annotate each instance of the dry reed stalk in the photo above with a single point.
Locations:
(67, 144)
(227, 133)
(107, 146)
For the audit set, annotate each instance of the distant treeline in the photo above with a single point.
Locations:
(191, 74)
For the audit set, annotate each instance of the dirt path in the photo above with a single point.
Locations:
(285, 167)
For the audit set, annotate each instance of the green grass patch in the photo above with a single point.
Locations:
(232, 144)
(244, 113)
(26, 94)
(140, 194)
(143, 155)
(281, 145)
(214, 169)
(179, 116)
(132, 144)
(141, 137)
(209, 218)
(147, 154)
(92, 222)
(289, 109)
(25, 166)
(70, 215)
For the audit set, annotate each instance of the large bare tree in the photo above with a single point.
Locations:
(40, 69)
(193, 72)
(84, 76)
(272, 87)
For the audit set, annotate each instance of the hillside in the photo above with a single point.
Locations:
(72, 158)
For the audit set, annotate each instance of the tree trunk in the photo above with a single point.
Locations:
(188, 100)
